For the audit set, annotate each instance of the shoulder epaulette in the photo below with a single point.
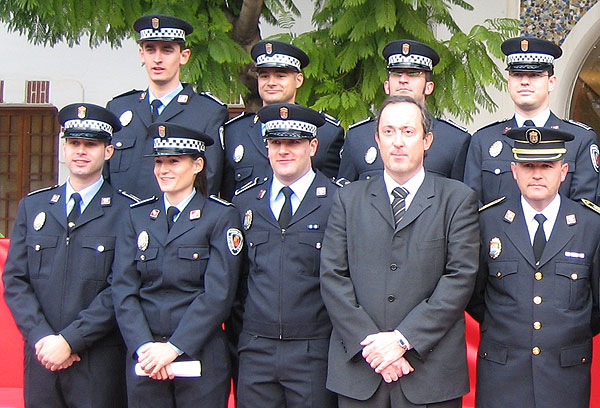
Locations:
(255, 182)
(581, 125)
(341, 182)
(241, 115)
(492, 124)
(220, 200)
(454, 124)
(214, 98)
(360, 122)
(590, 205)
(42, 189)
(127, 93)
(331, 119)
(129, 195)
(143, 202)
(491, 204)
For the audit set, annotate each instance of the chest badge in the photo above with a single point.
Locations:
(495, 248)
(55, 198)
(183, 98)
(495, 148)
(247, 220)
(195, 214)
(509, 216)
(125, 118)
(105, 201)
(371, 155)
(154, 213)
(143, 241)
(261, 194)
(238, 153)
(571, 219)
(321, 191)
(235, 241)
(39, 221)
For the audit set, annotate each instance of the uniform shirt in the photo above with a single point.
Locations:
(182, 204)
(299, 189)
(86, 194)
(550, 212)
(539, 120)
(165, 99)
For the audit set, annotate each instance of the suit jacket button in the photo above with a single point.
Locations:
(537, 325)
(143, 257)
(536, 350)
(38, 247)
(538, 275)
(485, 354)
(119, 144)
(584, 360)
(393, 267)
(574, 276)
(537, 300)
(195, 255)
(391, 298)
(100, 248)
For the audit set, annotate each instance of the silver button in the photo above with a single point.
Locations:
(318, 245)
(195, 256)
(37, 247)
(100, 248)
(143, 257)
(119, 144)
(497, 171)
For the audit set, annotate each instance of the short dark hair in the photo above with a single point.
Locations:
(390, 100)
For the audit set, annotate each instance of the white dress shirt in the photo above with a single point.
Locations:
(299, 189)
(538, 120)
(550, 212)
(86, 194)
(165, 99)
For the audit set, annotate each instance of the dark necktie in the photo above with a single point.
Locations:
(398, 204)
(528, 122)
(172, 211)
(286, 211)
(539, 239)
(155, 105)
(75, 212)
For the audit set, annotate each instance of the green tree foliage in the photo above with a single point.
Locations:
(347, 69)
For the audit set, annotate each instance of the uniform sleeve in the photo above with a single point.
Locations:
(227, 179)
(473, 166)
(332, 164)
(584, 182)
(214, 153)
(458, 167)
(18, 293)
(476, 306)
(349, 318)
(210, 308)
(347, 169)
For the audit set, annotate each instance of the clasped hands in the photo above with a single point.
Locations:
(386, 356)
(54, 352)
(156, 358)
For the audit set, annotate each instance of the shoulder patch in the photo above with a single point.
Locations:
(42, 190)
(454, 124)
(581, 125)
(220, 200)
(492, 124)
(331, 119)
(143, 202)
(491, 204)
(129, 195)
(214, 98)
(360, 122)
(133, 91)
(241, 115)
(590, 205)
(257, 181)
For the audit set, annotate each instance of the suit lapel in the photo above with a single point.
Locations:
(254, 134)
(158, 226)
(310, 203)
(176, 105)
(264, 206)
(420, 203)
(143, 109)
(57, 210)
(94, 208)
(380, 200)
(184, 223)
(561, 234)
(517, 233)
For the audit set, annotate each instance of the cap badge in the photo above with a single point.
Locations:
(81, 112)
(533, 136)
(405, 48)
(509, 216)
(524, 45)
(126, 117)
(495, 248)
(269, 48)
(195, 214)
(39, 221)
(495, 148)
(55, 198)
(105, 201)
(571, 219)
(183, 98)
(162, 131)
(595, 156)
(371, 155)
(235, 241)
(143, 240)
(321, 191)
(154, 213)
(283, 112)
(155, 23)
(247, 220)
(238, 153)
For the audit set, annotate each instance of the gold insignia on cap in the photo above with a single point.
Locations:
(39, 221)
(571, 219)
(195, 214)
(155, 23)
(533, 136)
(524, 45)
(247, 220)
(269, 48)
(283, 112)
(495, 247)
(81, 112)
(183, 98)
(162, 131)
(405, 48)
(509, 216)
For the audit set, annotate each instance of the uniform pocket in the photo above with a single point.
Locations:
(576, 355)
(257, 250)
(503, 283)
(96, 257)
(242, 173)
(41, 251)
(147, 264)
(491, 351)
(123, 155)
(193, 261)
(572, 285)
(310, 248)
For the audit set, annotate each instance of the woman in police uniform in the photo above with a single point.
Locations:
(177, 265)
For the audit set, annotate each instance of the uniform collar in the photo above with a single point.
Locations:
(182, 204)
(86, 193)
(539, 120)
(165, 99)
(412, 185)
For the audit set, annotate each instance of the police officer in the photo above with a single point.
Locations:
(58, 272)
(530, 80)
(284, 343)
(175, 280)
(279, 71)
(163, 52)
(537, 288)
(410, 65)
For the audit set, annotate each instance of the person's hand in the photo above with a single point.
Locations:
(381, 349)
(54, 353)
(155, 360)
(397, 369)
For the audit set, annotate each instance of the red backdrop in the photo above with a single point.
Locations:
(11, 355)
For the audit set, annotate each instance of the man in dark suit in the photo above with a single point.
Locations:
(398, 265)
(410, 72)
(279, 75)
(285, 337)
(537, 291)
(531, 79)
(163, 52)
(58, 273)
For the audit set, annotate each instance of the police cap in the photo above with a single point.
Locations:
(175, 140)
(88, 121)
(158, 27)
(538, 143)
(410, 54)
(290, 121)
(277, 54)
(530, 54)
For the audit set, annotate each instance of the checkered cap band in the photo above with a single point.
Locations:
(410, 59)
(291, 125)
(179, 143)
(88, 124)
(162, 33)
(530, 58)
(278, 59)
